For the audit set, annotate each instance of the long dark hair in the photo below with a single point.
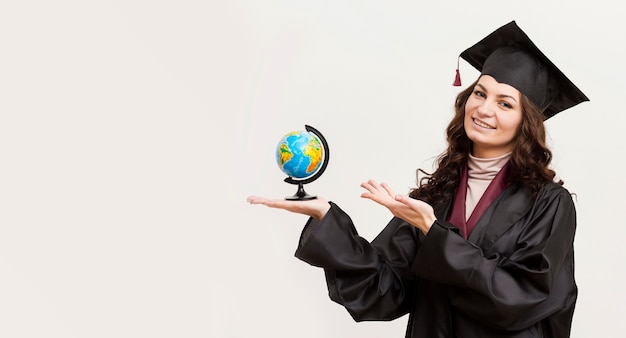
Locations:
(529, 163)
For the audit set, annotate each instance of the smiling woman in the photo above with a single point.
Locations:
(483, 247)
(493, 114)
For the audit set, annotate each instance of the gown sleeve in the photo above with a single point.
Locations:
(517, 290)
(373, 281)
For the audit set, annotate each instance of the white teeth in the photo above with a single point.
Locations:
(482, 124)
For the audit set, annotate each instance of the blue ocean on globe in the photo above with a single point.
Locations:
(299, 154)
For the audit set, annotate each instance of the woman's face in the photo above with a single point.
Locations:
(493, 113)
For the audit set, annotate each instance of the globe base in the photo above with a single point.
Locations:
(301, 195)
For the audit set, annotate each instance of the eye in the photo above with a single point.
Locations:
(506, 105)
(479, 93)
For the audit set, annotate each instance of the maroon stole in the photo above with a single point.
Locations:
(457, 216)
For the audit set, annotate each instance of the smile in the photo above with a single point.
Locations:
(483, 124)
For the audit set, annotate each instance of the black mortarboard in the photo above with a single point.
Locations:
(510, 57)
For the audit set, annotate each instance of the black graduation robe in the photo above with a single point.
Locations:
(513, 276)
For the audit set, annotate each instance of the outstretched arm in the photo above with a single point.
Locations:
(373, 281)
(316, 208)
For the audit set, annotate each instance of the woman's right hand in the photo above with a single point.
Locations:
(315, 208)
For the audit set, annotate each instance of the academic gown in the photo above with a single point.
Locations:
(513, 276)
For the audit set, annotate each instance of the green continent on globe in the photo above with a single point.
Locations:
(299, 154)
(284, 153)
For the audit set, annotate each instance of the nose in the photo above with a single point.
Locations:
(486, 108)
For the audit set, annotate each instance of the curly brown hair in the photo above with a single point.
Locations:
(529, 163)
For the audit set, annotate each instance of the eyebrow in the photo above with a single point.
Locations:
(500, 95)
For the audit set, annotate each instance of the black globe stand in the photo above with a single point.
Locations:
(301, 195)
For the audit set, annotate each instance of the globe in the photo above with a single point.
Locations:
(299, 154)
(303, 156)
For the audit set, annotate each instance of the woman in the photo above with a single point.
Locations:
(484, 246)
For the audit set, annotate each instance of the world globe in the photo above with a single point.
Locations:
(303, 156)
(299, 154)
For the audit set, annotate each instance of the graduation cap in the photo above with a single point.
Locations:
(510, 57)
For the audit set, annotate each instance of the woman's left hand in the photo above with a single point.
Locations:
(417, 213)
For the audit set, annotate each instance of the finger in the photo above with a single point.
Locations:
(374, 184)
(370, 182)
(255, 199)
(413, 204)
(370, 186)
(387, 189)
(273, 203)
(404, 199)
(377, 187)
(407, 202)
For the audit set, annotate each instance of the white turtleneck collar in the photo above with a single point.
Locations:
(480, 172)
(485, 168)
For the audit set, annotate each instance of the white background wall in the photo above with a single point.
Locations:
(132, 131)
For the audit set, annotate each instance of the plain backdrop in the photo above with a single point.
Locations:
(132, 131)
